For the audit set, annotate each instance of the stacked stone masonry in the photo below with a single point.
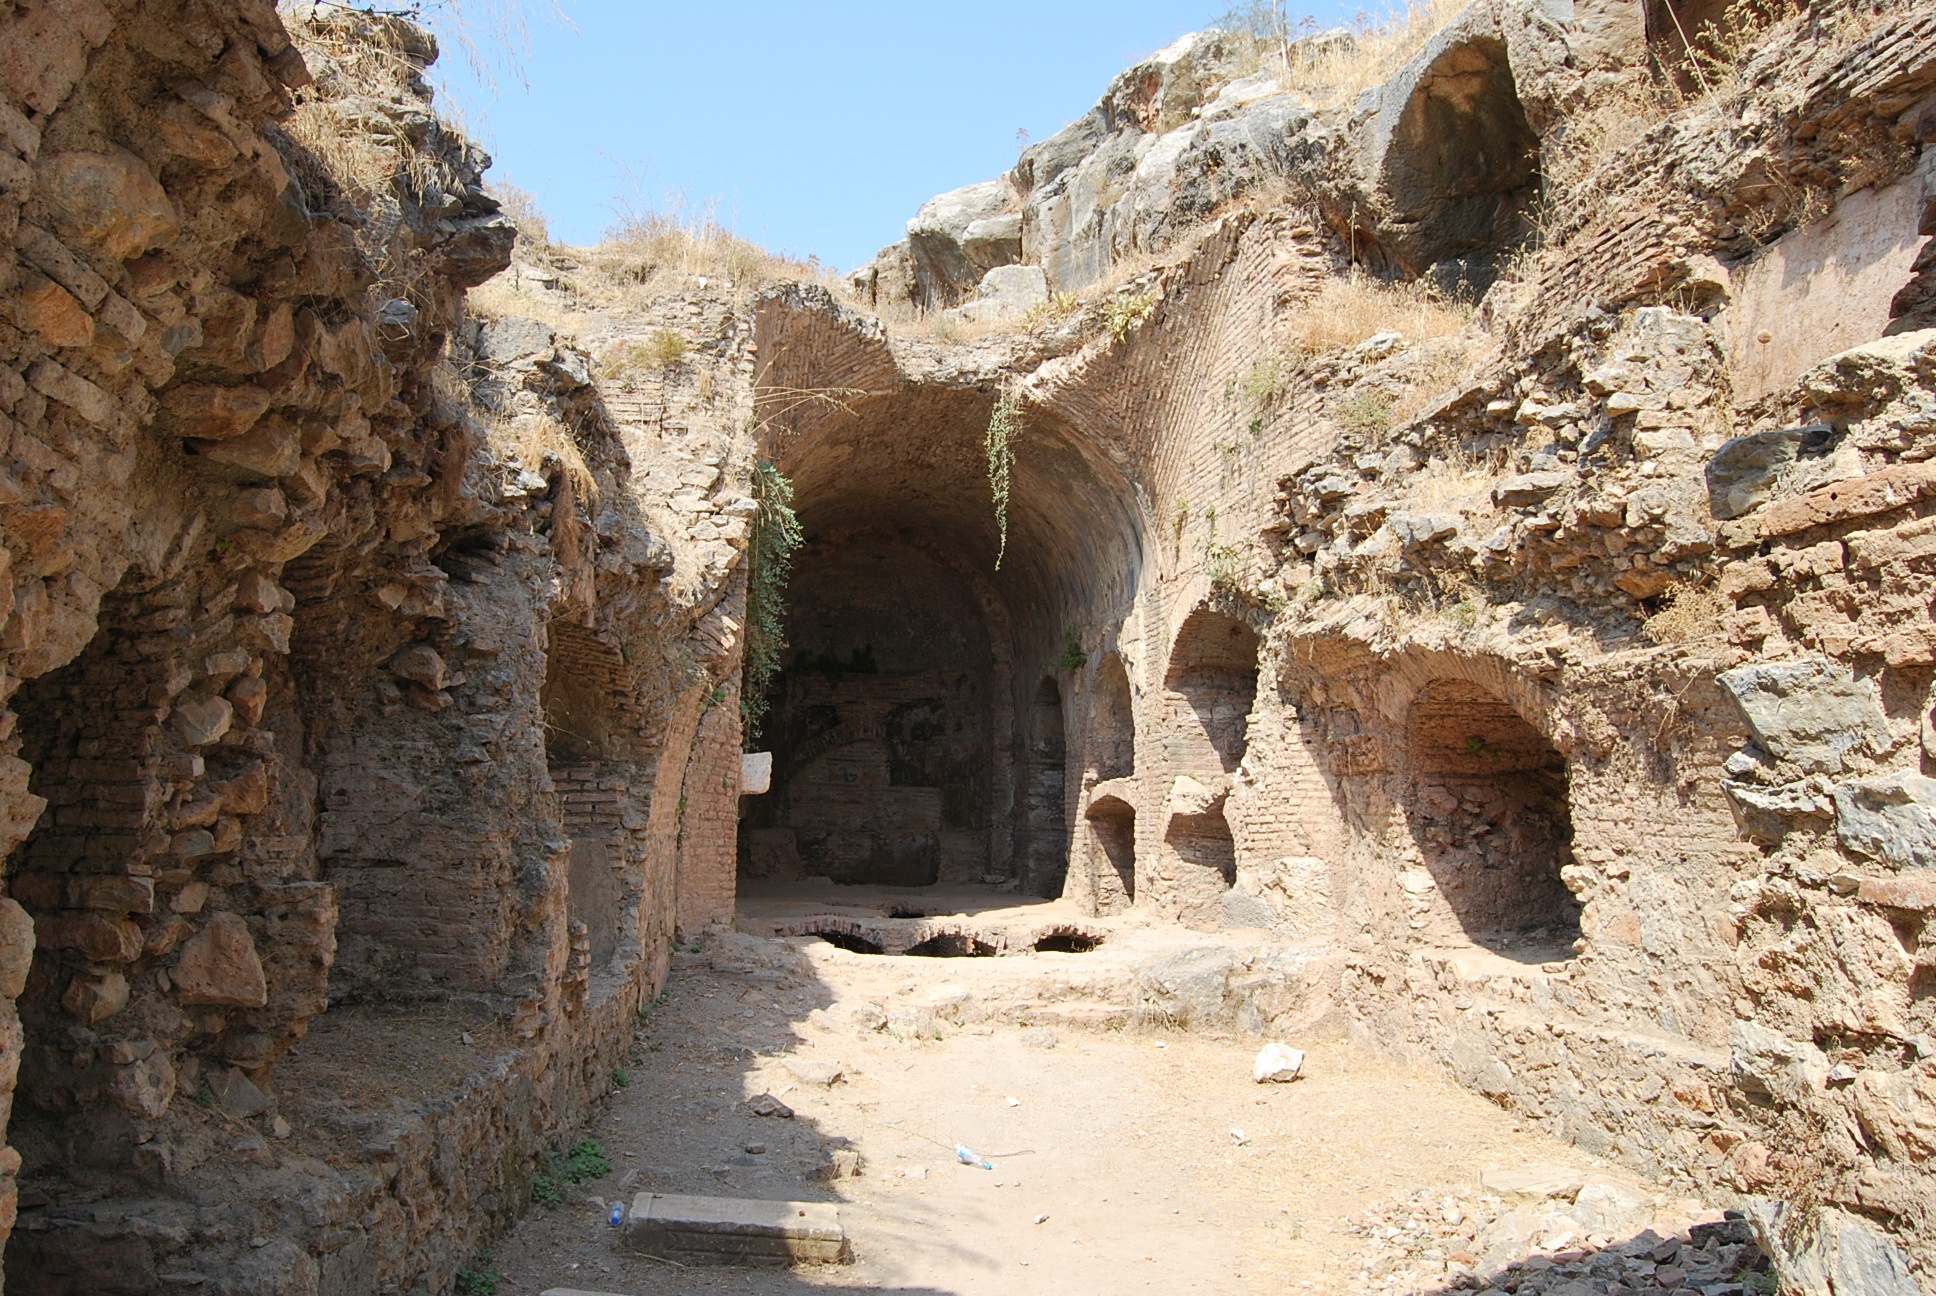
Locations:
(1551, 689)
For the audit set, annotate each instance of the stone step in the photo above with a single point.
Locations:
(573, 1291)
(735, 1231)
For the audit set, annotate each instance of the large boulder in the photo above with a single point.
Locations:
(1810, 712)
(939, 242)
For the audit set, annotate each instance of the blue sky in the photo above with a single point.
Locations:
(812, 129)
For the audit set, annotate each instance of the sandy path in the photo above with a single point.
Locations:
(1126, 1142)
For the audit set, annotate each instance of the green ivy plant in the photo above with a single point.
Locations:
(776, 538)
(1004, 428)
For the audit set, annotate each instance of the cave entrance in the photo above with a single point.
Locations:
(1462, 166)
(918, 722)
(879, 722)
(1489, 813)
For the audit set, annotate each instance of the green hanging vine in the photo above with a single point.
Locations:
(776, 538)
(1004, 427)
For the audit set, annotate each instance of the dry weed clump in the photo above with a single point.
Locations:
(1355, 309)
(521, 205)
(534, 439)
(649, 251)
(1457, 481)
(659, 353)
(367, 156)
(1335, 70)
(1691, 613)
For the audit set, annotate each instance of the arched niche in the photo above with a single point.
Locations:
(1111, 747)
(1211, 686)
(1487, 806)
(1045, 791)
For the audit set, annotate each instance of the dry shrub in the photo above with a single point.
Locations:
(660, 351)
(1691, 613)
(1354, 309)
(1614, 119)
(649, 251)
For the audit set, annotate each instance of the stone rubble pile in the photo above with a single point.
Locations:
(1555, 1232)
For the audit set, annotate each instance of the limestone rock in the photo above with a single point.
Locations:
(420, 664)
(1839, 1255)
(1767, 815)
(51, 311)
(16, 948)
(1188, 986)
(219, 966)
(1190, 796)
(145, 1087)
(1743, 473)
(272, 448)
(821, 1074)
(238, 1095)
(202, 721)
(767, 1105)
(755, 773)
(1529, 488)
(95, 997)
(1769, 1064)
(1534, 1182)
(1812, 712)
(1007, 293)
(108, 201)
(943, 266)
(1277, 1064)
(1891, 819)
(215, 413)
(1604, 1207)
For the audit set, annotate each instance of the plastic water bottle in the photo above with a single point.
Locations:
(966, 1155)
(618, 1214)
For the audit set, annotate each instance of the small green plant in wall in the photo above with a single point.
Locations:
(1004, 428)
(479, 1280)
(1126, 312)
(1073, 657)
(776, 538)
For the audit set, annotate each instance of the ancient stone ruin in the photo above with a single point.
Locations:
(1460, 529)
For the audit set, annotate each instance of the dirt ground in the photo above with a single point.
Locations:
(1123, 1159)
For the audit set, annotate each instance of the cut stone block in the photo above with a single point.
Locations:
(735, 1231)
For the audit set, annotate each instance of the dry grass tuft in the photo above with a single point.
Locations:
(1355, 309)
(1691, 613)
(534, 440)
(521, 205)
(366, 156)
(1330, 72)
(661, 351)
(1453, 481)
